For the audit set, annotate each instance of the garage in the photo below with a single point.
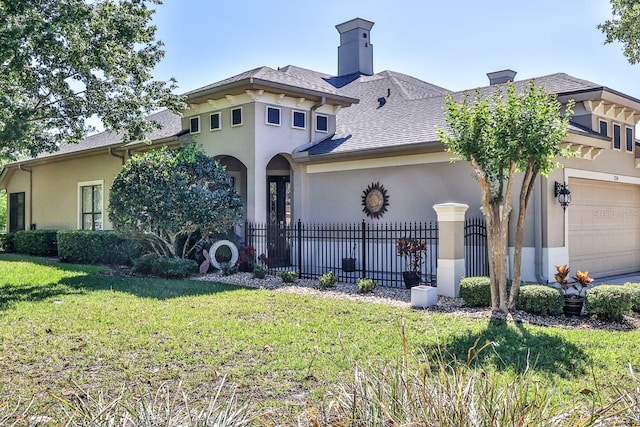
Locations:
(604, 227)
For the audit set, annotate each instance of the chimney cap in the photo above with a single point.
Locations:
(353, 24)
(502, 76)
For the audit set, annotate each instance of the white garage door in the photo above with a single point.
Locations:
(604, 227)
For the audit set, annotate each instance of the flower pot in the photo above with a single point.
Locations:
(411, 279)
(348, 265)
(573, 306)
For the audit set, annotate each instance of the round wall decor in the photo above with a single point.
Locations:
(375, 200)
(217, 245)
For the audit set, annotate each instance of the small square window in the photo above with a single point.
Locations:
(298, 120)
(629, 139)
(194, 124)
(216, 123)
(616, 136)
(236, 116)
(322, 123)
(273, 116)
(603, 128)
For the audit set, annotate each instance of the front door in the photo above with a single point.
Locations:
(279, 219)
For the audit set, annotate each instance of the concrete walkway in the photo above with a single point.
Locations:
(618, 280)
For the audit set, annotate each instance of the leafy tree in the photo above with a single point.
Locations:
(624, 27)
(62, 61)
(502, 135)
(3, 209)
(166, 196)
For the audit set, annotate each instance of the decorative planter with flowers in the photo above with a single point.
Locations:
(574, 292)
(412, 250)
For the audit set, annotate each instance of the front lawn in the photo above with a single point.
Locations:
(65, 328)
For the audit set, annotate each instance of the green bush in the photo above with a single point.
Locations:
(259, 272)
(227, 269)
(328, 280)
(366, 285)
(634, 289)
(539, 299)
(609, 302)
(288, 276)
(36, 242)
(174, 268)
(98, 247)
(144, 264)
(6, 242)
(476, 291)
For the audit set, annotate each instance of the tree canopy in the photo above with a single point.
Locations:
(624, 27)
(501, 135)
(63, 61)
(166, 196)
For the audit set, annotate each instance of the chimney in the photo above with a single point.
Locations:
(499, 77)
(355, 53)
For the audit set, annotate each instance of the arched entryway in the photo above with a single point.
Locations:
(279, 210)
(238, 172)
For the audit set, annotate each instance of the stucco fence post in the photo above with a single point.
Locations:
(451, 265)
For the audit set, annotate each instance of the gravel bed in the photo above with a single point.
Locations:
(400, 297)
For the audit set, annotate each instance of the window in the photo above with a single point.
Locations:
(16, 212)
(236, 117)
(603, 128)
(322, 123)
(194, 124)
(91, 206)
(273, 116)
(616, 136)
(215, 122)
(629, 139)
(298, 120)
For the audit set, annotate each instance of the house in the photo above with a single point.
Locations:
(305, 145)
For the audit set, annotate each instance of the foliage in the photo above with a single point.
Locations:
(63, 61)
(634, 292)
(327, 280)
(144, 264)
(3, 207)
(174, 268)
(167, 196)
(539, 299)
(412, 250)
(227, 269)
(6, 242)
(36, 242)
(366, 285)
(582, 281)
(624, 27)
(476, 291)
(97, 247)
(500, 135)
(259, 272)
(246, 258)
(609, 302)
(288, 276)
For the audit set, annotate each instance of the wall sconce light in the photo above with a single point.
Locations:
(563, 194)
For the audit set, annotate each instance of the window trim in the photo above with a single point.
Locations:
(600, 122)
(628, 142)
(619, 147)
(219, 114)
(191, 127)
(79, 206)
(241, 117)
(266, 115)
(293, 121)
(316, 124)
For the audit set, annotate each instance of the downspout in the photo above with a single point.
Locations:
(537, 230)
(25, 169)
(116, 155)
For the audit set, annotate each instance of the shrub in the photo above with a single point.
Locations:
(144, 264)
(227, 269)
(98, 247)
(366, 285)
(288, 276)
(539, 299)
(175, 268)
(634, 290)
(36, 242)
(476, 291)
(6, 242)
(328, 280)
(259, 272)
(609, 302)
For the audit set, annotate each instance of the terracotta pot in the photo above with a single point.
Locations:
(411, 279)
(573, 306)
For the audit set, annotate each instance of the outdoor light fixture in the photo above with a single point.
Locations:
(563, 194)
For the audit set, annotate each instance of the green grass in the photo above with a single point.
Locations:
(66, 327)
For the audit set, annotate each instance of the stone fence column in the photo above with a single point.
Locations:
(451, 266)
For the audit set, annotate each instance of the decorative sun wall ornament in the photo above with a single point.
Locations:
(375, 200)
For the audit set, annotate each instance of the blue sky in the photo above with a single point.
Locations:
(449, 43)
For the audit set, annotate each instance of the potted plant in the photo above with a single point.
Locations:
(349, 264)
(573, 301)
(412, 250)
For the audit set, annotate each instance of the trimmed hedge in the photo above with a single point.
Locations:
(97, 247)
(175, 268)
(476, 291)
(36, 242)
(609, 301)
(634, 289)
(540, 299)
(6, 242)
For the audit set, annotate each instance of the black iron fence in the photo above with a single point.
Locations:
(476, 253)
(351, 251)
